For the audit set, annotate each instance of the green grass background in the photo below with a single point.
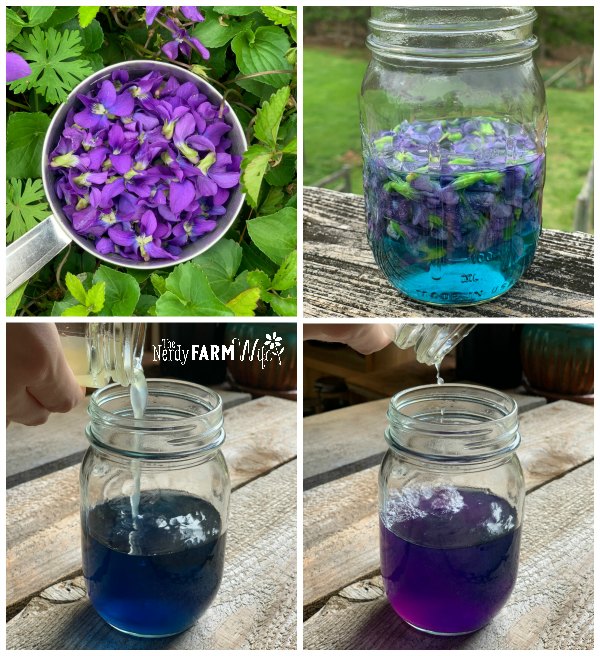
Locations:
(332, 80)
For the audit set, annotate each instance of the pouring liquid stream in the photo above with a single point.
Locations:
(138, 394)
(440, 381)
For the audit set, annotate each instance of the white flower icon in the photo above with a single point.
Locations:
(273, 342)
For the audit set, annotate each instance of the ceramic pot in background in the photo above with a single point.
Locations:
(274, 376)
(558, 360)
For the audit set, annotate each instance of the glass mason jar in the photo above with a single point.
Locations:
(154, 507)
(454, 121)
(451, 497)
(431, 342)
(100, 352)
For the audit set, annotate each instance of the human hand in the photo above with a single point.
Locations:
(364, 338)
(38, 378)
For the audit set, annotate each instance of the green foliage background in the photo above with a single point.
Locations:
(253, 61)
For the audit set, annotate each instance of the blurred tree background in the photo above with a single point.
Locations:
(335, 59)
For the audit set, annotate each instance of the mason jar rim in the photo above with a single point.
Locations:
(523, 16)
(482, 423)
(192, 425)
(402, 36)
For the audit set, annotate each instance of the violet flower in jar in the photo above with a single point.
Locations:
(454, 123)
(451, 502)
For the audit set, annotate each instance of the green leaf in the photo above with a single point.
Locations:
(61, 15)
(14, 300)
(286, 276)
(87, 15)
(273, 202)
(259, 279)
(14, 25)
(92, 36)
(121, 293)
(25, 208)
(55, 60)
(214, 33)
(283, 173)
(159, 283)
(244, 304)
(268, 117)
(94, 60)
(279, 15)
(275, 234)
(189, 295)
(235, 11)
(254, 166)
(76, 311)
(220, 263)
(284, 306)
(38, 15)
(145, 305)
(26, 132)
(255, 259)
(75, 286)
(291, 147)
(95, 297)
(263, 50)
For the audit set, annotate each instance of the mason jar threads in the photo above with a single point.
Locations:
(153, 564)
(451, 501)
(100, 352)
(454, 122)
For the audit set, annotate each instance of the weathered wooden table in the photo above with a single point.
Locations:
(344, 602)
(255, 608)
(341, 278)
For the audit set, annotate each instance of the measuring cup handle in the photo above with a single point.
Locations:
(29, 253)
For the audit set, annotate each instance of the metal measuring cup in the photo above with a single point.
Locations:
(28, 254)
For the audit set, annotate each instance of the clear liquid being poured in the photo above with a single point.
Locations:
(138, 394)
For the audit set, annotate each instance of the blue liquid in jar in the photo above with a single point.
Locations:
(449, 557)
(176, 570)
(454, 208)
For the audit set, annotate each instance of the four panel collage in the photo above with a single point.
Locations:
(299, 336)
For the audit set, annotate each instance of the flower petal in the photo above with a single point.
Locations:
(181, 195)
(192, 13)
(16, 67)
(171, 49)
(151, 13)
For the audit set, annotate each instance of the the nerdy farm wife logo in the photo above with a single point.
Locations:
(268, 350)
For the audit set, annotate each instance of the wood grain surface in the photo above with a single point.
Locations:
(341, 517)
(33, 447)
(335, 441)
(43, 529)
(550, 608)
(341, 278)
(254, 609)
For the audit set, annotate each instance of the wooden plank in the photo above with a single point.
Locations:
(341, 517)
(261, 435)
(550, 608)
(336, 439)
(30, 447)
(254, 609)
(341, 278)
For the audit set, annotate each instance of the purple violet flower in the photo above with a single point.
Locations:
(145, 167)
(16, 67)
(107, 103)
(181, 42)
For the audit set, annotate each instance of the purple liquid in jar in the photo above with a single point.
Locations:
(449, 556)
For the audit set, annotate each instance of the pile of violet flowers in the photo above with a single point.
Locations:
(144, 166)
